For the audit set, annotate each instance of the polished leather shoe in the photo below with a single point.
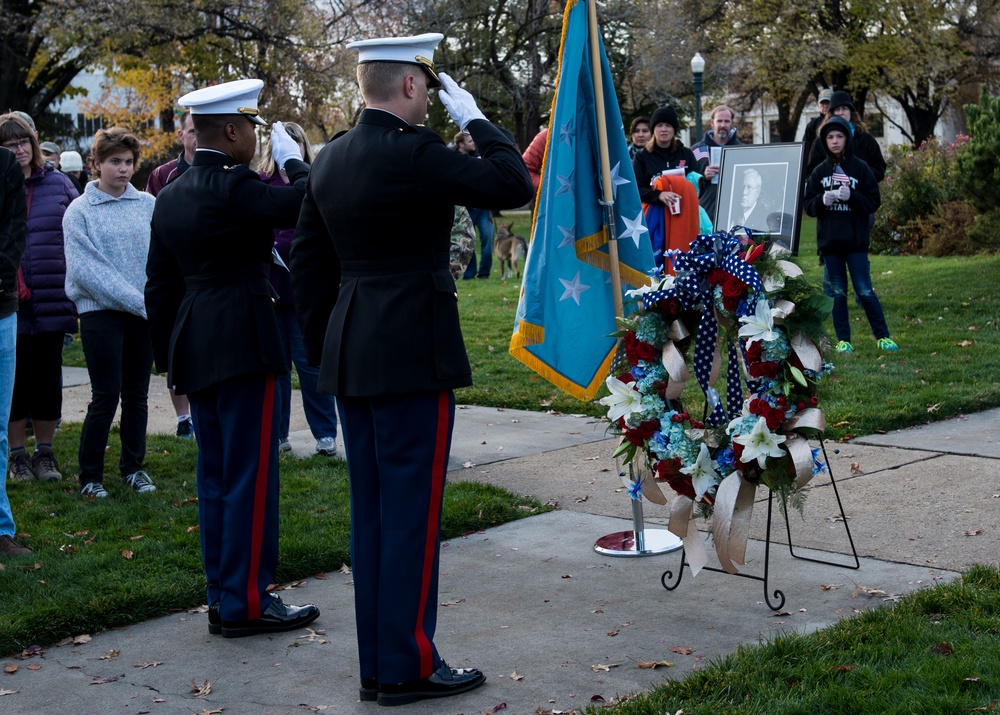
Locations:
(369, 690)
(441, 683)
(275, 618)
(214, 619)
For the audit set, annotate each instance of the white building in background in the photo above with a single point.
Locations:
(85, 128)
(762, 122)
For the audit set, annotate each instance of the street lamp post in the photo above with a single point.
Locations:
(697, 68)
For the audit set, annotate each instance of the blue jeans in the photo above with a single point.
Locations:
(483, 219)
(835, 285)
(320, 409)
(8, 360)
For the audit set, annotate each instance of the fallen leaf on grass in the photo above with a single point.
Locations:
(516, 676)
(102, 681)
(321, 576)
(200, 690)
(32, 650)
(829, 586)
(10, 669)
(192, 528)
(345, 569)
(110, 654)
(841, 668)
(605, 667)
(965, 343)
(140, 536)
(654, 664)
(972, 679)
(34, 666)
(934, 408)
(683, 650)
(942, 649)
(127, 554)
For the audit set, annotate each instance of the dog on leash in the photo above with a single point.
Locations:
(511, 250)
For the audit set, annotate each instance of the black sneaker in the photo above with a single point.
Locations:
(185, 428)
(140, 482)
(95, 490)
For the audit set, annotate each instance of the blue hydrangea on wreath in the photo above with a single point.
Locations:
(770, 319)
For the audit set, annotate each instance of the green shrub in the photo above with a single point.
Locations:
(946, 231)
(917, 182)
(985, 232)
(979, 168)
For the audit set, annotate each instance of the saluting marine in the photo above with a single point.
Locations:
(377, 302)
(211, 315)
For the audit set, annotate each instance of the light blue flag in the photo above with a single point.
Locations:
(566, 310)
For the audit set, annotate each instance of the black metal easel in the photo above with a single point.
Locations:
(668, 575)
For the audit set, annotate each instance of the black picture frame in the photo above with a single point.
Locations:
(776, 212)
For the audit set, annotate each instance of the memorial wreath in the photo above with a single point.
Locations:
(771, 324)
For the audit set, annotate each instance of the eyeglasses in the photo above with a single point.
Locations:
(18, 144)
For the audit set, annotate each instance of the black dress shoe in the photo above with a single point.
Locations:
(275, 618)
(441, 683)
(214, 619)
(369, 689)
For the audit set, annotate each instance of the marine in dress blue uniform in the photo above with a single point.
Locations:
(377, 302)
(211, 315)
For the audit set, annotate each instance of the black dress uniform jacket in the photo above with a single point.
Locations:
(370, 258)
(208, 298)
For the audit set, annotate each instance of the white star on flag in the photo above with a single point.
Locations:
(565, 183)
(567, 133)
(568, 236)
(573, 288)
(616, 180)
(634, 228)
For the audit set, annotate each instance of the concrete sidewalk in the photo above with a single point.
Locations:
(552, 623)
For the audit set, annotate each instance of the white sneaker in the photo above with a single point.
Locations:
(284, 445)
(94, 489)
(327, 446)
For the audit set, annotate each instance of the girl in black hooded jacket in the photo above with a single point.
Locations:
(841, 193)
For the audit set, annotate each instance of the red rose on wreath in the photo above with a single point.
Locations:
(754, 351)
(765, 369)
(637, 350)
(669, 471)
(732, 291)
(643, 433)
(669, 306)
(716, 276)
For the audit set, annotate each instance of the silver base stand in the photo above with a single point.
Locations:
(640, 541)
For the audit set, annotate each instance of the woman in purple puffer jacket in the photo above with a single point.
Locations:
(45, 317)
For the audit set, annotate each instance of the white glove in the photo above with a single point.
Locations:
(283, 147)
(843, 193)
(460, 104)
(829, 197)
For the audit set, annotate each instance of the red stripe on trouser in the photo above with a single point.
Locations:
(430, 545)
(260, 498)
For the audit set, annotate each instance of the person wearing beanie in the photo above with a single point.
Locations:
(865, 146)
(665, 151)
(71, 164)
(842, 193)
(812, 128)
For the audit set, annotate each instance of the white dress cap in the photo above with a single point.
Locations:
(416, 50)
(239, 97)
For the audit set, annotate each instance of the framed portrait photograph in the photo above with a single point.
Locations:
(760, 187)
